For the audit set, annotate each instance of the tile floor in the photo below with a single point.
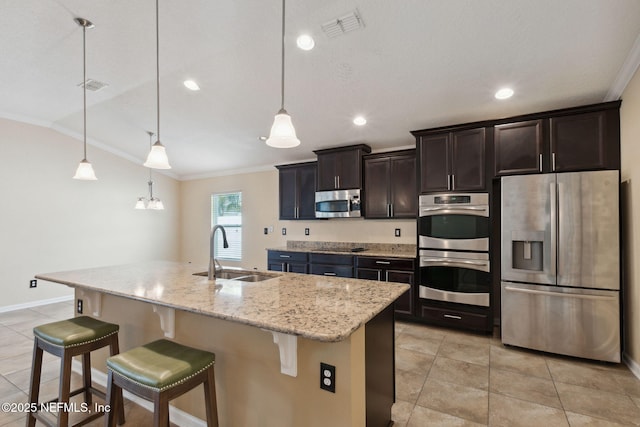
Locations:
(451, 378)
(444, 378)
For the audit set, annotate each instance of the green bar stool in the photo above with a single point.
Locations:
(66, 339)
(161, 371)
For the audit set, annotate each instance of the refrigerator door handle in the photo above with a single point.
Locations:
(553, 202)
(559, 294)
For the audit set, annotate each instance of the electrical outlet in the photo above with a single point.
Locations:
(306, 231)
(79, 306)
(33, 283)
(328, 377)
(284, 231)
(266, 230)
(397, 232)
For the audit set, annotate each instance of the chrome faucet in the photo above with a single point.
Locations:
(214, 265)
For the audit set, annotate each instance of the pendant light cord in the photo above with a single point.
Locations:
(282, 82)
(150, 147)
(158, 68)
(84, 87)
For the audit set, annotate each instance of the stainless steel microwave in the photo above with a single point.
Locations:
(338, 204)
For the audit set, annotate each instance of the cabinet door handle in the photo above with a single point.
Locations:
(553, 162)
(448, 182)
(391, 209)
(453, 182)
(540, 163)
(297, 212)
(451, 316)
(328, 273)
(338, 182)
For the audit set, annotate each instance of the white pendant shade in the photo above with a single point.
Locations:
(283, 134)
(85, 171)
(158, 205)
(157, 158)
(140, 203)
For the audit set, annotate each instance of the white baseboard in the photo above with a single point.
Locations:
(35, 303)
(176, 416)
(634, 366)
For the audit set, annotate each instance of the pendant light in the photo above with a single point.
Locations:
(283, 134)
(157, 158)
(85, 170)
(153, 202)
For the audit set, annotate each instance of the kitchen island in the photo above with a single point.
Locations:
(346, 323)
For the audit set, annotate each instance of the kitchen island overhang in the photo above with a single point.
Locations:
(328, 317)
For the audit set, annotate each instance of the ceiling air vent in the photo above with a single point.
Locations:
(93, 85)
(342, 25)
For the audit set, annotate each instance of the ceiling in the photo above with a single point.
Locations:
(416, 64)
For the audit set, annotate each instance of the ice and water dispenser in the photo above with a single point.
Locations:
(527, 250)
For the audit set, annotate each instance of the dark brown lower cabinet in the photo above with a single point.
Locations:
(380, 368)
(331, 265)
(288, 262)
(401, 270)
(459, 316)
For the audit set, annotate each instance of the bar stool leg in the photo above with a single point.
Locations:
(210, 398)
(65, 386)
(161, 410)
(86, 377)
(34, 389)
(113, 350)
(112, 400)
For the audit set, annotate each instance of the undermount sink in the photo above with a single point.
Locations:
(241, 276)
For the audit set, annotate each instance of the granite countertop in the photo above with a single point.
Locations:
(315, 307)
(384, 250)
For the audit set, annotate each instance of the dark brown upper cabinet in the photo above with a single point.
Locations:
(390, 185)
(575, 139)
(340, 168)
(453, 161)
(518, 147)
(579, 142)
(297, 190)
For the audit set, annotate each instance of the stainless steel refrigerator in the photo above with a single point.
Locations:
(560, 263)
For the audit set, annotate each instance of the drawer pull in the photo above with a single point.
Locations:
(383, 262)
(285, 256)
(451, 316)
(327, 273)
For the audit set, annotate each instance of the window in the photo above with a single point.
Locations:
(226, 210)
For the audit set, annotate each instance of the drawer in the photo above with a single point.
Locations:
(286, 256)
(456, 318)
(332, 270)
(331, 259)
(386, 263)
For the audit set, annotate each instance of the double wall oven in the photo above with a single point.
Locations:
(453, 237)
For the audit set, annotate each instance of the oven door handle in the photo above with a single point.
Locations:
(458, 210)
(434, 262)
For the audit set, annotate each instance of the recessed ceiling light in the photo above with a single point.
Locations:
(504, 93)
(360, 121)
(305, 42)
(191, 85)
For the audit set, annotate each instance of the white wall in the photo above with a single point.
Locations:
(630, 150)
(50, 222)
(259, 210)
